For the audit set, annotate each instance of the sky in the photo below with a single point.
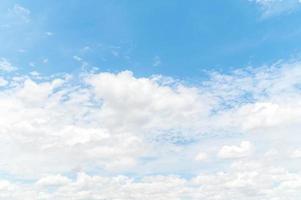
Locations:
(143, 100)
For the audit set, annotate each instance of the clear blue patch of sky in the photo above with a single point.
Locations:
(171, 37)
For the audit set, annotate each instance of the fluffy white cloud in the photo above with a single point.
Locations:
(104, 122)
(243, 150)
(53, 181)
(258, 99)
(201, 156)
(111, 124)
(145, 104)
(244, 180)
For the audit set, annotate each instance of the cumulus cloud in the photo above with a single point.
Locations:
(53, 181)
(76, 136)
(242, 181)
(104, 122)
(142, 103)
(243, 150)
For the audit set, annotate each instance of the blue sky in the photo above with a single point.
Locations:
(144, 100)
(172, 38)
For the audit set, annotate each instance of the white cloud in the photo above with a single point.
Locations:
(77, 58)
(254, 100)
(6, 66)
(3, 82)
(103, 124)
(53, 181)
(110, 121)
(49, 33)
(83, 63)
(201, 156)
(243, 181)
(142, 103)
(243, 150)
(296, 153)
(109, 124)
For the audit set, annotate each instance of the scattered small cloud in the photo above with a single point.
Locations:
(6, 66)
(77, 58)
(45, 60)
(83, 63)
(157, 61)
(3, 82)
(86, 48)
(49, 33)
(20, 13)
(31, 64)
(34, 73)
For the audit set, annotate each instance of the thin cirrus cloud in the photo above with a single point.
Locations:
(93, 124)
(271, 8)
(20, 13)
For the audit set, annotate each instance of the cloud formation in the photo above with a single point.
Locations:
(242, 181)
(243, 150)
(101, 135)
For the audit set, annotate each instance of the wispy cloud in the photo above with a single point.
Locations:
(157, 61)
(6, 66)
(3, 82)
(20, 13)
(275, 7)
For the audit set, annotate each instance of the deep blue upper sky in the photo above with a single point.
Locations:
(171, 37)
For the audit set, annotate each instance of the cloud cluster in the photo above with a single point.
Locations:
(242, 181)
(116, 136)
(105, 121)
